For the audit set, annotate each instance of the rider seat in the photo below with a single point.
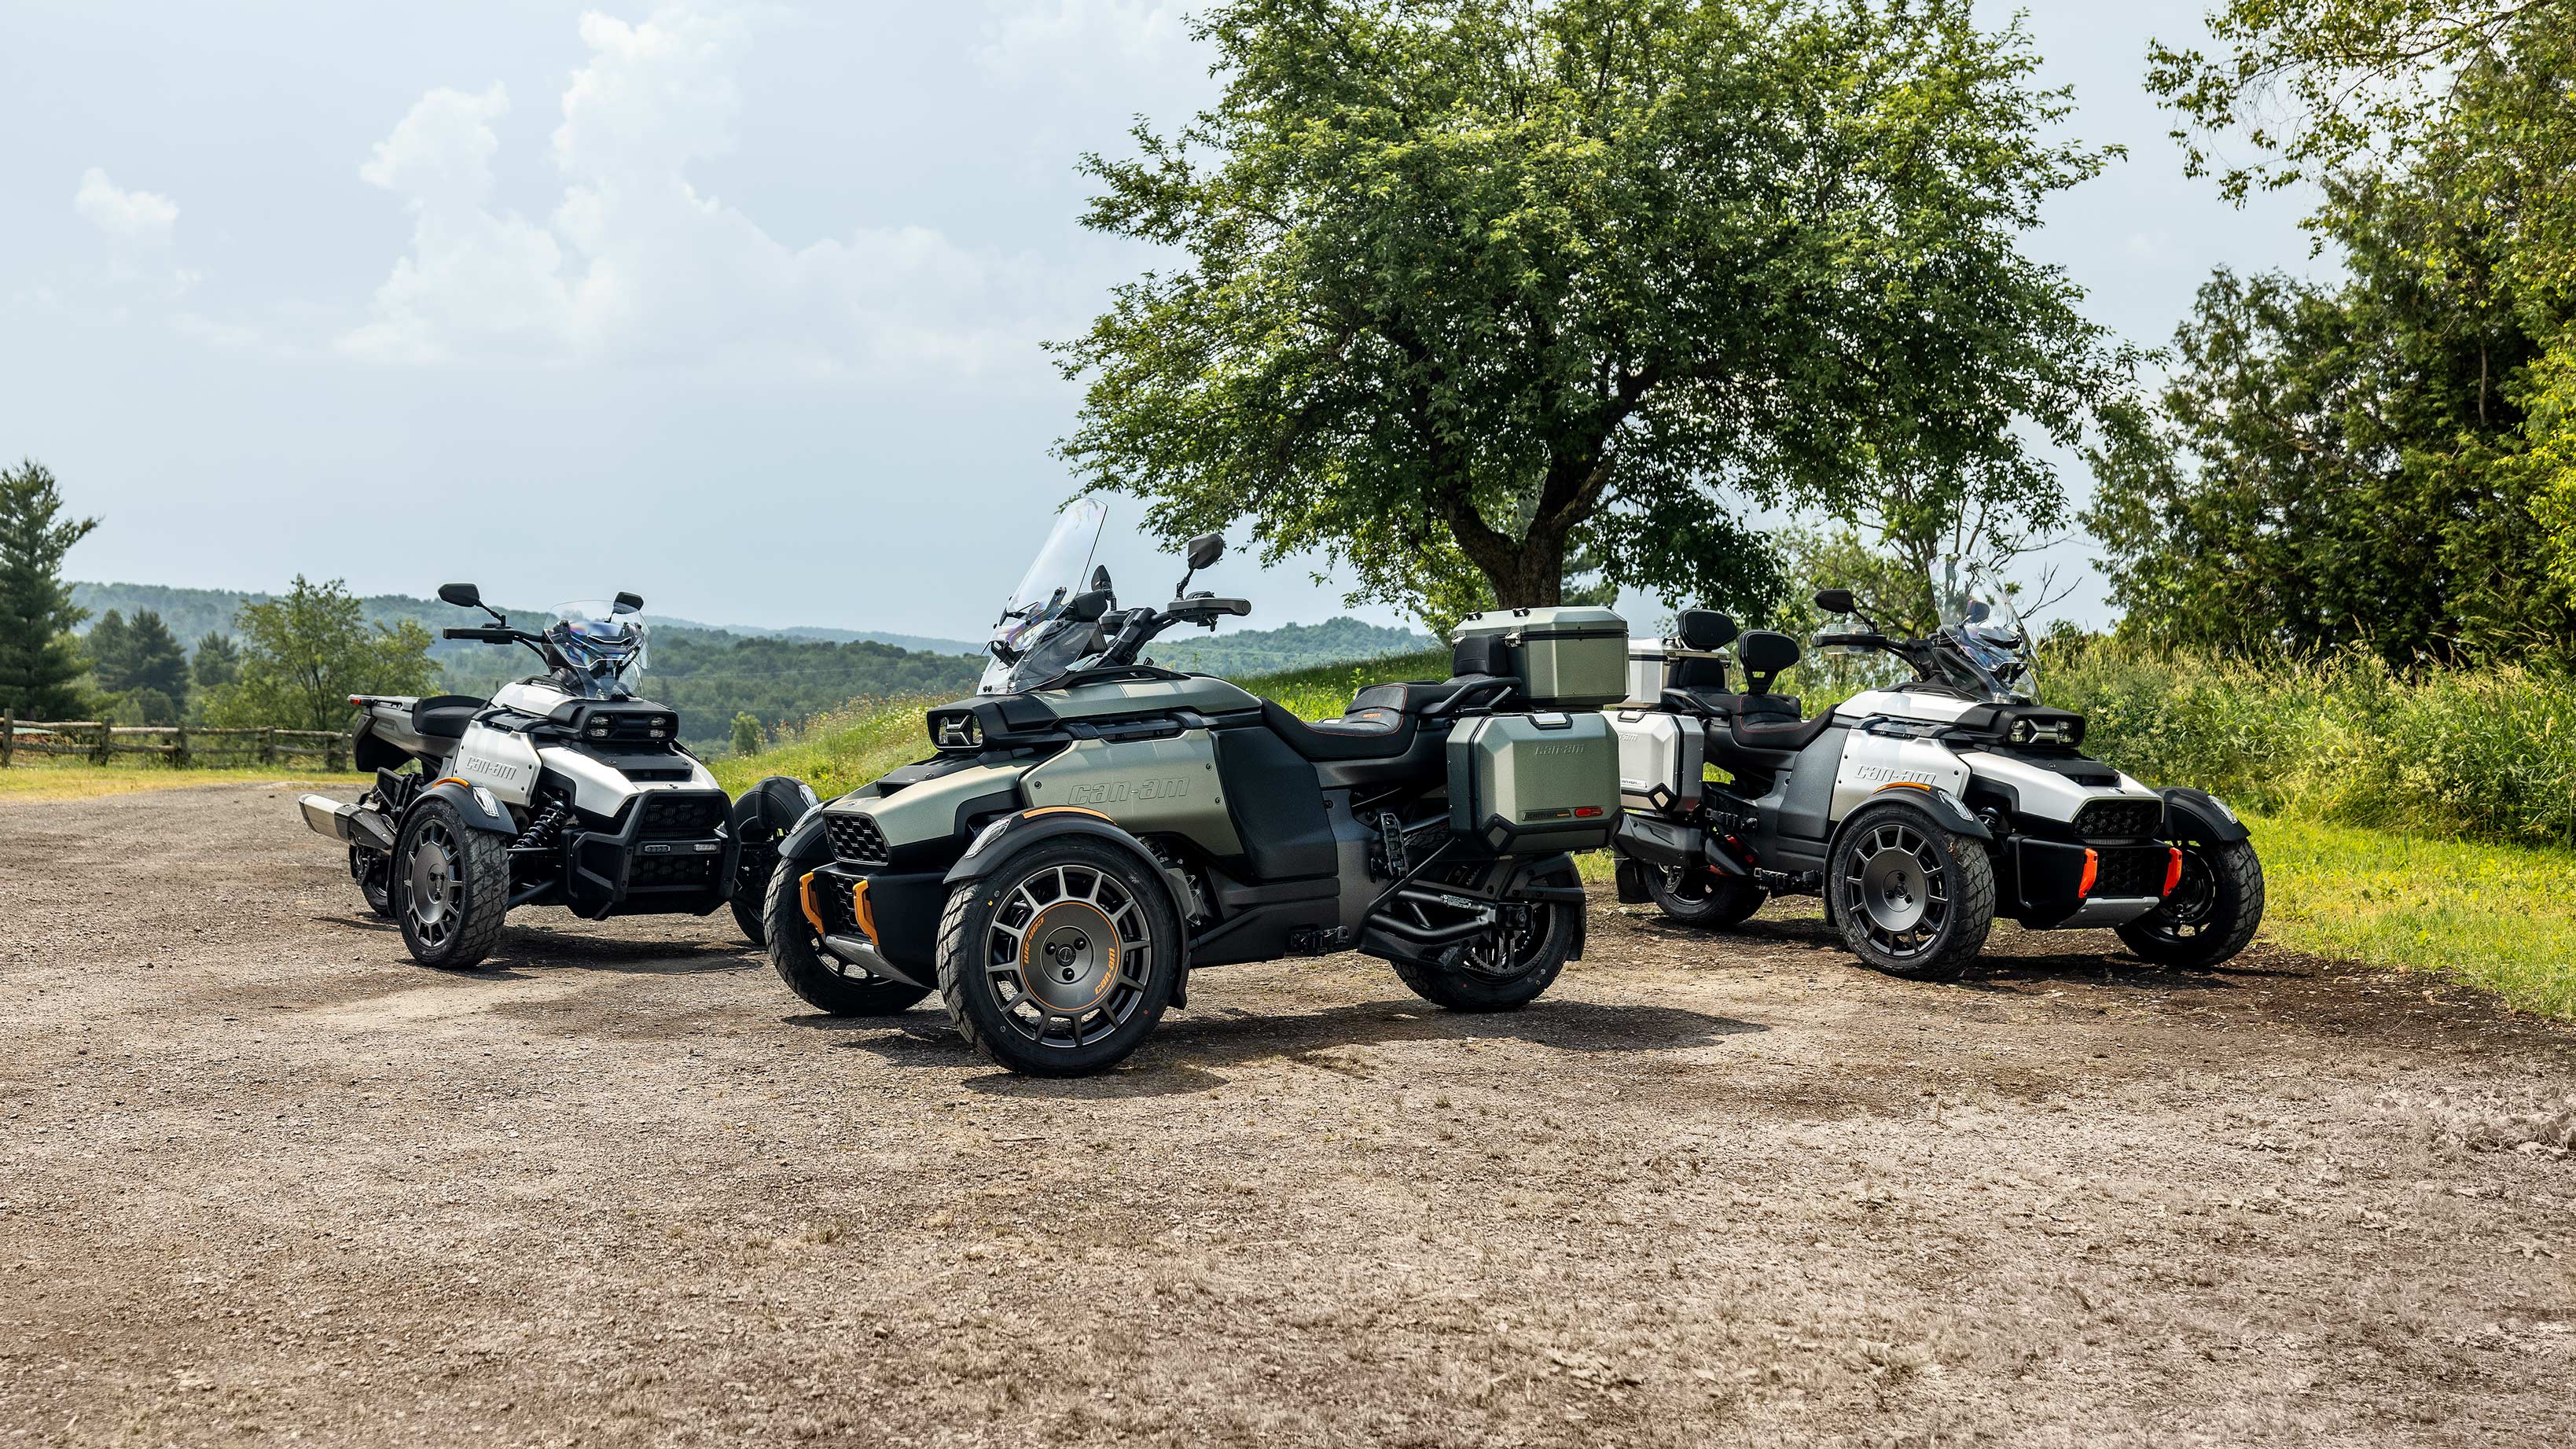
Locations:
(444, 716)
(1382, 718)
(1759, 722)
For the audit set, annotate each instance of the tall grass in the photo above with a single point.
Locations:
(2485, 754)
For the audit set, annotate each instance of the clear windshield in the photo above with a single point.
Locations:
(602, 643)
(1981, 621)
(1033, 642)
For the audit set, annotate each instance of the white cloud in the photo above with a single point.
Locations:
(1078, 40)
(135, 221)
(635, 264)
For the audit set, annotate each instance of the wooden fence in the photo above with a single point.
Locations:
(176, 745)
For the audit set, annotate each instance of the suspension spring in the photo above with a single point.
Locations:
(540, 834)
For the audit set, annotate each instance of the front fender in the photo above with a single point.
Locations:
(1003, 840)
(470, 804)
(1941, 805)
(2202, 813)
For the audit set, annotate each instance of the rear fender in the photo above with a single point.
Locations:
(477, 806)
(2202, 814)
(771, 808)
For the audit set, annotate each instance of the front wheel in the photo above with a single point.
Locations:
(2210, 914)
(1703, 897)
(451, 887)
(1910, 898)
(1060, 963)
(820, 979)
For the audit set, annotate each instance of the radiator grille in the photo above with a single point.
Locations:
(856, 839)
(673, 872)
(682, 814)
(2131, 871)
(2121, 819)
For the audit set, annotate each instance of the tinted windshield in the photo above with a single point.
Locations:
(602, 644)
(1980, 621)
(1033, 643)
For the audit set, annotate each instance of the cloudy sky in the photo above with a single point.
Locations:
(735, 305)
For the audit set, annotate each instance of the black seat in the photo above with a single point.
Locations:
(1776, 736)
(1477, 676)
(1363, 734)
(445, 716)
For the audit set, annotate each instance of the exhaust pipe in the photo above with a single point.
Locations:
(346, 823)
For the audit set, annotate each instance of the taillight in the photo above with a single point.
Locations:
(2092, 868)
(1586, 812)
(2173, 869)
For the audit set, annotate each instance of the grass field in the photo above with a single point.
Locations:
(71, 780)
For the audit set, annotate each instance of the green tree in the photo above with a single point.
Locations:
(217, 662)
(38, 659)
(303, 654)
(746, 734)
(109, 646)
(2357, 463)
(1476, 289)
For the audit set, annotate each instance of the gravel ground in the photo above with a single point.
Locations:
(263, 1180)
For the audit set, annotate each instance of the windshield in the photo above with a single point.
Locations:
(602, 646)
(1033, 642)
(1980, 621)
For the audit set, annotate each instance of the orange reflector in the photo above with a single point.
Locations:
(862, 912)
(805, 898)
(2173, 871)
(2092, 867)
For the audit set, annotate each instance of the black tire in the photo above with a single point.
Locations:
(1086, 1007)
(1910, 898)
(1502, 974)
(821, 980)
(755, 866)
(2212, 912)
(451, 887)
(1702, 897)
(373, 870)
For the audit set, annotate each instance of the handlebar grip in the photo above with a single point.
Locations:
(1829, 641)
(480, 636)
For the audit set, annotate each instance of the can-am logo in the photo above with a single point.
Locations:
(1877, 774)
(474, 765)
(1110, 792)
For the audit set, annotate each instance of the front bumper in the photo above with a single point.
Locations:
(2050, 892)
(903, 907)
(669, 853)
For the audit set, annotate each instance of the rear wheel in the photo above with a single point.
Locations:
(1703, 897)
(1061, 962)
(820, 979)
(2212, 911)
(756, 864)
(1910, 898)
(1504, 970)
(451, 887)
(373, 870)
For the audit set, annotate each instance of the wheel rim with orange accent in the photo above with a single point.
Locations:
(1067, 955)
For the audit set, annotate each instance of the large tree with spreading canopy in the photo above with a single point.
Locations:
(1467, 295)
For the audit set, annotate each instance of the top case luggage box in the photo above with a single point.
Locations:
(1575, 657)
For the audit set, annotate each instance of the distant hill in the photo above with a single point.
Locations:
(780, 676)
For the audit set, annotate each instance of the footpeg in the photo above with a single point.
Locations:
(1311, 941)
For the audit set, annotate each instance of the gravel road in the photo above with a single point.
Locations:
(263, 1180)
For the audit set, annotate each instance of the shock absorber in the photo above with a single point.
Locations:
(541, 831)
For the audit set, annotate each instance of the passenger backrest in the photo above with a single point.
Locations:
(1480, 655)
(1764, 654)
(1703, 672)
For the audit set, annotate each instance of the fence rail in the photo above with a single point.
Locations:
(177, 745)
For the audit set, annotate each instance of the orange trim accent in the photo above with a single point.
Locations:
(1904, 785)
(862, 912)
(805, 898)
(452, 780)
(2173, 871)
(2092, 868)
(1069, 810)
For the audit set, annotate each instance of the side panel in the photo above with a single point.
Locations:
(499, 761)
(1871, 763)
(1148, 786)
(1807, 796)
(928, 811)
(1276, 803)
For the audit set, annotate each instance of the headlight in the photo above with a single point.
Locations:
(959, 730)
(984, 837)
(2033, 732)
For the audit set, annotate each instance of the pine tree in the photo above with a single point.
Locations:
(154, 659)
(38, 659)
(110, 647)
(218, 660)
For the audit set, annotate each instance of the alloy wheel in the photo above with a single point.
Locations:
(436, 898)
(1895, 887)
(1068, 955)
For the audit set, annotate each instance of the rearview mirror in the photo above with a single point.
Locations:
(1205, 549)
(1086, 608)
(463, 596)
(1834, 601)
(628, 604)
(1100, 579)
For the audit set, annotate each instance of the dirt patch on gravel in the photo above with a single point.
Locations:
(261, 1179)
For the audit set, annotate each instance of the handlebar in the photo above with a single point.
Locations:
(485, 635)
(1854, 641)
